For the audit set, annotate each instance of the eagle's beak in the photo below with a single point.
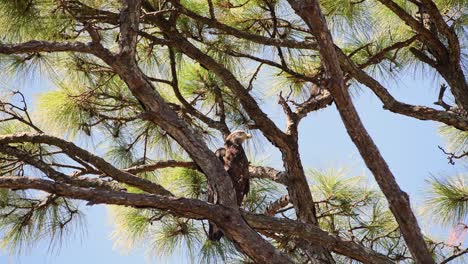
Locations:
(249, 135)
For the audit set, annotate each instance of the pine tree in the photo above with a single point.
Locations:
(145, 90)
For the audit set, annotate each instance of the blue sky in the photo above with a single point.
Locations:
(408, 145)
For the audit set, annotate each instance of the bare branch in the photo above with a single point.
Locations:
(440, 99)
(390, 103)
(161, 165)
(454, 256)
(74, 151)
(268, 173)
(45, 46)
(10, 109)
(379, 56)
(275, 206)
(452, 156)
(222, 127)
(58, 176)
(291, 117)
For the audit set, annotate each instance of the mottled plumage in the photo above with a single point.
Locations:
(237, 166)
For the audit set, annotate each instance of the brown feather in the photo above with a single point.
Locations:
(237, 166)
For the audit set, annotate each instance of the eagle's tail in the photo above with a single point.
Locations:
(214, 232)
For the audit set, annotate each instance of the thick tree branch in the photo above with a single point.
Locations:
(245, 237)
(45, 46)
(449, 33)
(309, 11)
(268, 173)
(390, 103)
(129, 22)
(196, 209)
(319, 100)
(259, 172)
(316, 235)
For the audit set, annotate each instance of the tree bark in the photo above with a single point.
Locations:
(196, 209)
(309, 11)
(301, 198)
(297, 183)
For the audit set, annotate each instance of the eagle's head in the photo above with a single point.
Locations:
(238, 137)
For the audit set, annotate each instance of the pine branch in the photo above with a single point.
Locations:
(196, 209)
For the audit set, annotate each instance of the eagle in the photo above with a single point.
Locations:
(236, 165)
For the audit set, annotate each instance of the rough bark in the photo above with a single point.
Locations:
(301, 198)
(196, 209)
(399, 203)
(316, 235)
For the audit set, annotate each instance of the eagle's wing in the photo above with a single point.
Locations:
(237, 166)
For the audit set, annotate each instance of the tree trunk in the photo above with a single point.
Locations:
(310, 12)
(301, 198)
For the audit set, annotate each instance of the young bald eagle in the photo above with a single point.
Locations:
(237, 166)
